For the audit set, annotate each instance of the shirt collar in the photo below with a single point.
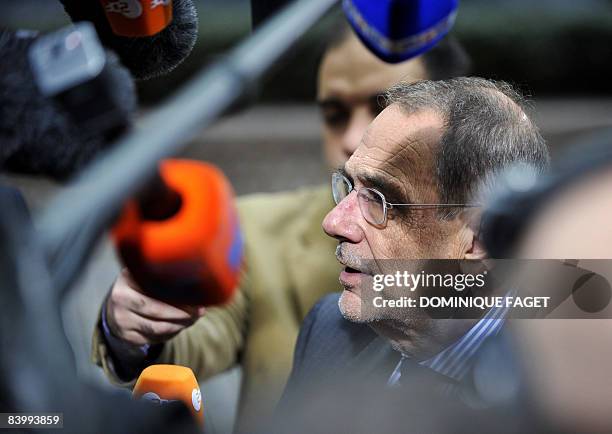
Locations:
(455, 361)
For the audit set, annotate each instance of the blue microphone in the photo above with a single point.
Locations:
(397, 30)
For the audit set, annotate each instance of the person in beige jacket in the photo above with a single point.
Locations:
(290, 261)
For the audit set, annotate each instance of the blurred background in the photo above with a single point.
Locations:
(556, 51)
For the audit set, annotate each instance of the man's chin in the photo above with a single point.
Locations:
(350, 306)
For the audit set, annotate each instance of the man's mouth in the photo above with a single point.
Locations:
(352, 267)
(351, 277)
(353, 272)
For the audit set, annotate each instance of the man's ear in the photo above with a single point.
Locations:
(476, 250)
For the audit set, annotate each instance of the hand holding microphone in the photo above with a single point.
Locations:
(138, 319)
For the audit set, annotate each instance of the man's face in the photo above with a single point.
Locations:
(350, 81)
(397, 158)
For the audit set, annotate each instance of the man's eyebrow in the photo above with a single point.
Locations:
(330, 101)
(343, 172)
(391, 190)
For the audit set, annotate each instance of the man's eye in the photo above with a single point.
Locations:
(335, 118)
(374, 198)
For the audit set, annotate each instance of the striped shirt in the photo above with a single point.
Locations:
(456, 360)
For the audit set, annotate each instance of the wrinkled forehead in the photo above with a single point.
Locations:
(400, 146)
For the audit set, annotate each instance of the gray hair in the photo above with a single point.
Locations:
(487, 130)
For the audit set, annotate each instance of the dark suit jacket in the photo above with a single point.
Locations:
(339, 383)
(329, 346)
(339, 369)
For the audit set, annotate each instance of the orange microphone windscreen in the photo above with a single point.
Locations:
(162, 384)
(195, 256)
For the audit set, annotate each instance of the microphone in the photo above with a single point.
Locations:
(180, 237)
(40, 136)
(394, 30)
(138, 19)
(71, 66)
(167, 384)
(151, 37)
(187, 248)
(398, 30)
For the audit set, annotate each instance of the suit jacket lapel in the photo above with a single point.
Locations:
(377, 359)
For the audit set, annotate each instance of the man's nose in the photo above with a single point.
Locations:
(358, 123)
(342, 221)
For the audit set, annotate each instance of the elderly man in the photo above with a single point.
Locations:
(401, 196)
(290, 260)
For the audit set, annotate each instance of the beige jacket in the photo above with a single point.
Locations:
(290, 265)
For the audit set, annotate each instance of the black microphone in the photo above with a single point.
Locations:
(40, 136)
(162, 33)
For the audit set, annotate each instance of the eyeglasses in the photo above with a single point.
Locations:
(372, 203)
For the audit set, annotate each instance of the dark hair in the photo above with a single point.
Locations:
(487, 130)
